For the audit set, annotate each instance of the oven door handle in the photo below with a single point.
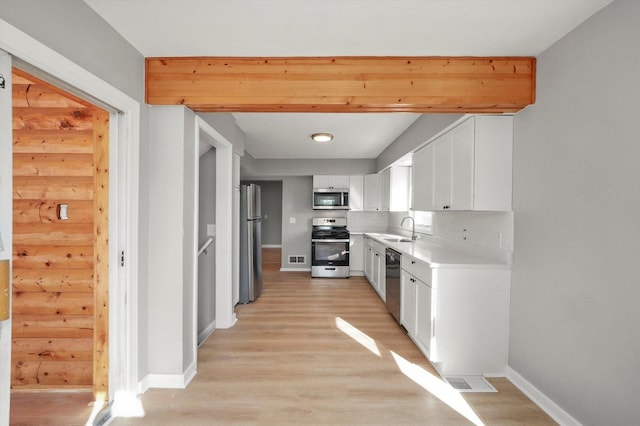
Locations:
(320, 240)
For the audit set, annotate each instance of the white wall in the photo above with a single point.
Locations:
(575, 331)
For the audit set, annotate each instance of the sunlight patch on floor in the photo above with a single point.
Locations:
(127, 404)
(98, 405)
(436, 386)
(358, 336)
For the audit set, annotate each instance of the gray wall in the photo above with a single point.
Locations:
(225, 124)
(206, 261)
(73, 29)
(296, 237)
(271, 200)
(259, 168)
(575, 331)
(169, 249)
(423, 129)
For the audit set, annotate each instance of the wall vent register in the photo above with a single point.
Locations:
(297, 259)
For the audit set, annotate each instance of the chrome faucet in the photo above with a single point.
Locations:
(413, 227)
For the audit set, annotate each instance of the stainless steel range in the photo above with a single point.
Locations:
(330, 247)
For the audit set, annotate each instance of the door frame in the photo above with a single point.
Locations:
(124, 146)
(225, 316)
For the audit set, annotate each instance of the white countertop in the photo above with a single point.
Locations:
(440, 254)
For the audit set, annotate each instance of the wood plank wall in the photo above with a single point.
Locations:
(53, 260)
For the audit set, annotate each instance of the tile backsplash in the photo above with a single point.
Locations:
(485, 229)
(358, 221)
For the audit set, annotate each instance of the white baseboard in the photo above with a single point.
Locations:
(208, 331)
(272, 246)
(356, 273)
(191, 372)
(551, 408)
(295, 269)
(167, 381)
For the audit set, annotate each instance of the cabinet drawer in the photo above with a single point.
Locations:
(377, 246)
(419, 269)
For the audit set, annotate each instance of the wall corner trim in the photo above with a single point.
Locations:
(551, 408)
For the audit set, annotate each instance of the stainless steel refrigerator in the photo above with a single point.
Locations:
(250, 244)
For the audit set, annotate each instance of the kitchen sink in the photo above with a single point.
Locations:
(398, 240)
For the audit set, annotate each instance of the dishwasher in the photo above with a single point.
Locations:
(392, 276)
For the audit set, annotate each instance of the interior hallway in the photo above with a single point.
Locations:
(322, 351)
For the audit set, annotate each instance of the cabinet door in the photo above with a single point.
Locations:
(462, 166)
(339, 182)
(375, 275)
(356, 253)
(381, 281)
(422, 179)
(408, 302)
(372, 192)
(385, 201)
(442, 173)
(368, 263)
(423, 314)
(356, 194)
(320, 181)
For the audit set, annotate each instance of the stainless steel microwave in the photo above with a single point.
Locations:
(330, 199)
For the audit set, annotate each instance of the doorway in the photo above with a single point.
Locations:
(21, 50)
(60, 271)
(206, 239)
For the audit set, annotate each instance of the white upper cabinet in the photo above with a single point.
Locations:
(385, 201)
(467, 168)
(330, 182)
(356, 193)
(422, 179)
(372, 192)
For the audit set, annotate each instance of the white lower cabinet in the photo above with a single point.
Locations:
(408, 302)
(423, 315)
(379, 278)
(374, 265)
(356, 254)
(458, 317)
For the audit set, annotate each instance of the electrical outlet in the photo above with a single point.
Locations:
(292, 220)
(497, 239)
(211, 230)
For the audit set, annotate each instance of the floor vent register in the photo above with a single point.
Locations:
(470, 384)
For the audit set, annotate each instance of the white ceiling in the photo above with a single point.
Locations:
(276, 135)
(339, 28)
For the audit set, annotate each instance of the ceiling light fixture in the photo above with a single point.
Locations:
(322, 137)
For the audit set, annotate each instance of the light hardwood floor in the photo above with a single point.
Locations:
(323, 352)
(302, 355)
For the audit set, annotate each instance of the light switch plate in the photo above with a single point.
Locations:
(211, 230)
(292, 220)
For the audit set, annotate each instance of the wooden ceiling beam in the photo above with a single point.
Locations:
(343, 84)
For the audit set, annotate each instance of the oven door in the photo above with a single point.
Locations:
(326, 252)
